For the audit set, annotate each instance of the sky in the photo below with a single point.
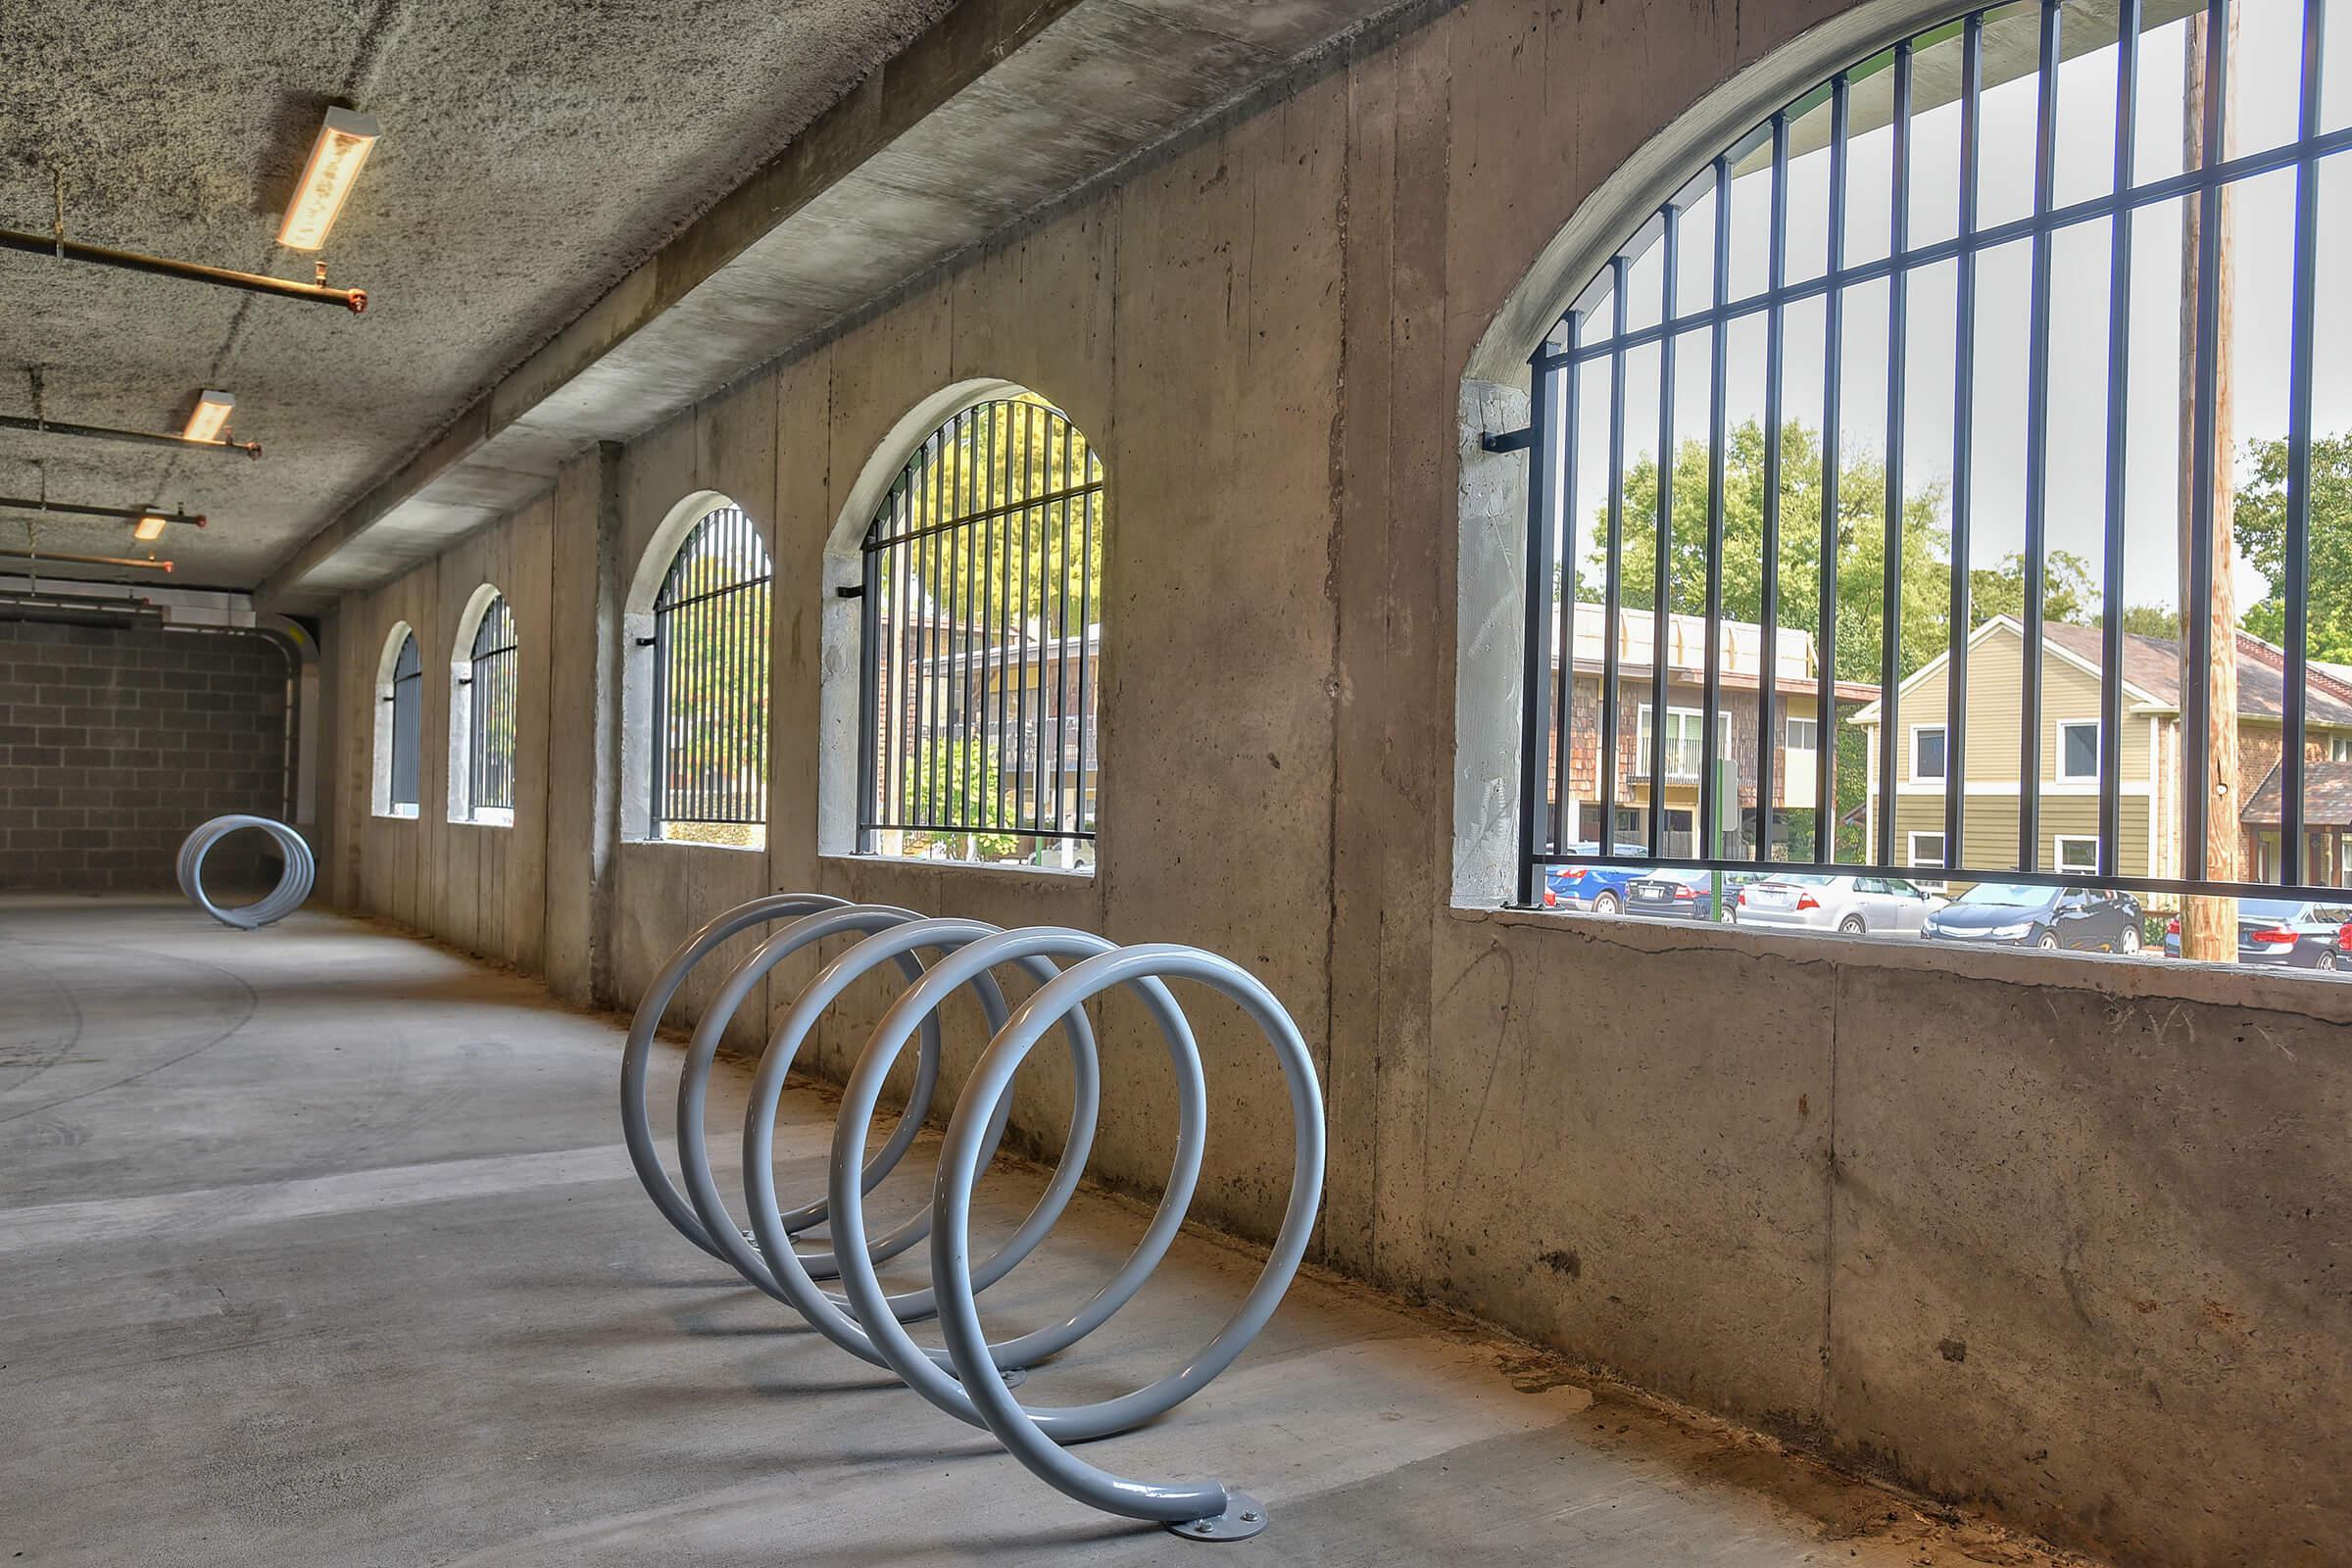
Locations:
(2268, 75)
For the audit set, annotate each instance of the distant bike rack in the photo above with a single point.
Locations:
(972, 1378)
(294, 882)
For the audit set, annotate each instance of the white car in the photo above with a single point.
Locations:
(1853, 904)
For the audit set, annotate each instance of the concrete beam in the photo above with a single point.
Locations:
(1006, 110)
(966, 45)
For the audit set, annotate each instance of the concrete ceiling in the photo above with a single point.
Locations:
(532, 154)
(580, 219)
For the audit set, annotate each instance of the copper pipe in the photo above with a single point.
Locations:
(126, 514)
(101, 433)
(354, 300)
(84, 560)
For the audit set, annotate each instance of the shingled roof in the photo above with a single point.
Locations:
(2153, 664)
(2326, 797)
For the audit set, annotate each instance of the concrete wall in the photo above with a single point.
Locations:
(115, 742)
(2051, 1235)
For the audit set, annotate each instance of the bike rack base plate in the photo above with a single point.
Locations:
(1243, 1516)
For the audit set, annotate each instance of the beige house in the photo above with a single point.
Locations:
(2149, 825)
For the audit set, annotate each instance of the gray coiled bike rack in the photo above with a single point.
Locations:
(294, 881)
(971, 1378)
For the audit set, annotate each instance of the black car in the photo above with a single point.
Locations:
(2284, 934)
(1673, 896)
(2013, 915)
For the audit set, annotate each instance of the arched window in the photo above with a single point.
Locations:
(1947, 475)
(482, 712)
(981, 630)
(709, 702)
(399, 726)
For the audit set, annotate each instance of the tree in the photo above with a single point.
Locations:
(1859, 540)
(1027, 564)
(1860, 544)
(714, 663)
(2149, 621)
(2262, 535)
(957, 780)
(2066, 589)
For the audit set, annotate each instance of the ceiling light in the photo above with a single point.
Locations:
(209, 419)
(149, 528)
(342, 147)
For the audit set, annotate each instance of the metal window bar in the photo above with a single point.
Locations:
(1833, 360)
(2119, 378)
(2038, 415)
(1964, 462)
(1768, 633)
(983, 599)
(1891, 593)
(491, 684)
(408, 724)
(711, 661)
(2293, 866)
(1550, 713)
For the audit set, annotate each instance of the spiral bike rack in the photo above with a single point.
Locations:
(294, 882)
(971, 1379)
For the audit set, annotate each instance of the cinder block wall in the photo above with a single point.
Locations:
(114, 743)
(2060, 1238)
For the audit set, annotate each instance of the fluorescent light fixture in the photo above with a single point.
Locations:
(342, 147)
(148, 529)
(209, 419)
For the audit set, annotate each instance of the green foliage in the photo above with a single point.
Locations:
(2149, 621)
(957, 780)
(2261, 524)
(1860, 568)
(1861, 546)
(2068, 592)
(1028, 562)
(715, 674)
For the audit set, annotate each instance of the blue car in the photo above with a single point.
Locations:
(1594, 889)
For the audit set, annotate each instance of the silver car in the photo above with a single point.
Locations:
(1853, 904)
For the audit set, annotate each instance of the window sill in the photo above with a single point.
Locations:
(398, 813)
(697, 843)
(917, 862)
(488, 818)
(2107, 973)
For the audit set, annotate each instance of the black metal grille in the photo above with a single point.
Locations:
(982, 637)
(490, 749)
(1936, 228)
(407, 725)
(711, 660)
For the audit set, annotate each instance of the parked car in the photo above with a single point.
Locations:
(2012, 915)
(1853, 904)
(1673, 896)
(1594, 889)
(2284, 933)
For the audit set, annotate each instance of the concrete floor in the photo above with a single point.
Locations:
(320, 1247)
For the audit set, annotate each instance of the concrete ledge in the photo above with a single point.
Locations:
(2107, 974)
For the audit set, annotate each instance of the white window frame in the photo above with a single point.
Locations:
(2340, 748)
(1943, 774)
(1788, 735)
(1911, 850)
(2058, 760)
(2058, 847)
(1641, 723)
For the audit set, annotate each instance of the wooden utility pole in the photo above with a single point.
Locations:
(2209, 925)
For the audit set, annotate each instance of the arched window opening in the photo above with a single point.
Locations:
(482, 716)
(1953, 474)
(709, 645)
(981, 630)
(399, 730)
